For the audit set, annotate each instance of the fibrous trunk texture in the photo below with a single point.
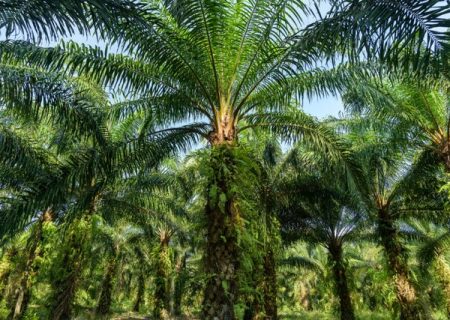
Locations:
(162, 283)
(270, 286)
(23, 296)
(71, 266)
(221, 260)
(443, 273)
(341, 283)
(105, 301)
(140, 293)
(410, 308)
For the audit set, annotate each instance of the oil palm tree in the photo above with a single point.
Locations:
(415, 111)
(73, 170)
(117, 241)
(55, 138)
(309, 265)
(393, 190)
(223, 67)
(431, 238)
(323, 216)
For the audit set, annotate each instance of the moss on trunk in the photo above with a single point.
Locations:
(180, 283)
(341, 282)
(105, 300)
(443, 275)
(68, 269)
(162, 282)
(407, 298)
(23, 295)
(221, 260)
(270, 285)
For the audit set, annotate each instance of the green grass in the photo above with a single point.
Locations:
(317, 315)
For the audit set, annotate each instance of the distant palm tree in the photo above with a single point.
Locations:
(117, 242)
(415, 112)
(432, 240)
(321, 215)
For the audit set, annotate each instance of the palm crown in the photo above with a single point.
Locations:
(218, 61)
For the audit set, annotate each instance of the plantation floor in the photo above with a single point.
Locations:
(359, 316)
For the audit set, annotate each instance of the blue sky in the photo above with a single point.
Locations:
(323, 107)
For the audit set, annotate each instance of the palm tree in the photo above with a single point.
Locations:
(23, 296)
(322, 215)
(395, 188)
(415, 111)
(158, 200)
(313, 264)
(25, 166)
(223, 67)
(271, 172)
(432, 241)
(163, 272)
(118, 242)
(76, 170)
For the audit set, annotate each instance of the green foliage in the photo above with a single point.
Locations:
(99, 217)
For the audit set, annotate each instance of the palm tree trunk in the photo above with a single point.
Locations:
(24, 292)
(443, 272)
(221, 256)
(270, 286)
(71, 265)
(253, 310)
(65, 289)
(105, 301)
(4, 277)
(341, 283)
(410, 308)
(162, 289)
(180, 283)
(140, 293)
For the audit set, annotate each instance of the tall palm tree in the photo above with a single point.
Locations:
(393, 189)
(222, 67)
(75, 168)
